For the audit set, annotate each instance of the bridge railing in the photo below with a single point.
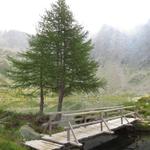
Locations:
(80, 117)
(83, 118)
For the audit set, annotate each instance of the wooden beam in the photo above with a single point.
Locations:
(71, 129)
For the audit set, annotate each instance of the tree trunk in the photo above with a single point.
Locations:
(41, 92)
(60, 101)
(41, 100)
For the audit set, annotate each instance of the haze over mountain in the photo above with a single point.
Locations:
(124, 58)
(13, 40)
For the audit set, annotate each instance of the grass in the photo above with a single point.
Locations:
(10, 123)
(20, 108)
(10, 139)
(5, 144)
(19, 101)
(142, 106)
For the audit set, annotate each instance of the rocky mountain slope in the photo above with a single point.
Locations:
(124, 58)
(13, 40)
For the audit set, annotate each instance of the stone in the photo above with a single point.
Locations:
(29, 134)
(2, 126)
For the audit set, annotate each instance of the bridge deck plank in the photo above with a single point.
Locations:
(42, 145)
(81, 133)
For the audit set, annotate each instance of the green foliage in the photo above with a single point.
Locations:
(145, 100)
(143, 126)
(143, 105)
(3, 59)
(58, 59)
(5, 144)
(30, 70)
(16, 100)
(72, 69)
(10, 138)
(10, 124)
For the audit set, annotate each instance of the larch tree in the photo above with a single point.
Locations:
(70, 51)
(30, 69)
(59, 58)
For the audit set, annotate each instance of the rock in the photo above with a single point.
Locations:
(28, 133)
(148, 117)
(45, 125)
(2, 126)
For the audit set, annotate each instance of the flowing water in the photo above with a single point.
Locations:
(126, 141)
(123, 139)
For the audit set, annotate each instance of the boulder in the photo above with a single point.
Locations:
(2, 126)
(28, 133)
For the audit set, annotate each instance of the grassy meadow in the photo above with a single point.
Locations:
(18, 100)
(18, 107)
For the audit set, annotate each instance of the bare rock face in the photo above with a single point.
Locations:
(28, 133)
(14, 40)
(124, 59)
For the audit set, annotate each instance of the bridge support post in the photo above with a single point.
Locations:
(101, 121)
(70, 129)
(50, 125)
(106, 125)
(121, 112)
(126, 119)
(101, 126)
(68, 135)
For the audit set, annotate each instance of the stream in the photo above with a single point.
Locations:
(126, 141)
(127, 138)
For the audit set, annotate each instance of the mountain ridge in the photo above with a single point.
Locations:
(124, 59)
(14, 40)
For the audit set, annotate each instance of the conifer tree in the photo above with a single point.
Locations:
(59, 58)
(29, 70)
(69, 49)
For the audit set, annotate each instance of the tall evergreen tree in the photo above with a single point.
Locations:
(59, 58)
(30, 70)
(69, 49)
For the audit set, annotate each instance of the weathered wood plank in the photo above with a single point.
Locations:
(90, 130)
(42, 145)
(48, 142)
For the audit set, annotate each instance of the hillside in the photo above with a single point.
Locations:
(13, 40)
(124, 59)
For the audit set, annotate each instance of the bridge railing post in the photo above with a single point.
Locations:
(68, 134)
(68, 129)
(121, 113)
(50, 125)
(84, 118)
(135, 113)
(101, 120)
(73, 133)
(105, 114)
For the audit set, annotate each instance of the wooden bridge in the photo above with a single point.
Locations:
(79, 125)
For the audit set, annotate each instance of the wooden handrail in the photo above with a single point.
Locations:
(96, 112)
(99, 121)
(85, 118)
(84, 110)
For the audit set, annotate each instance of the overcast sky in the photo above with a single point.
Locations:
(24, 15)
